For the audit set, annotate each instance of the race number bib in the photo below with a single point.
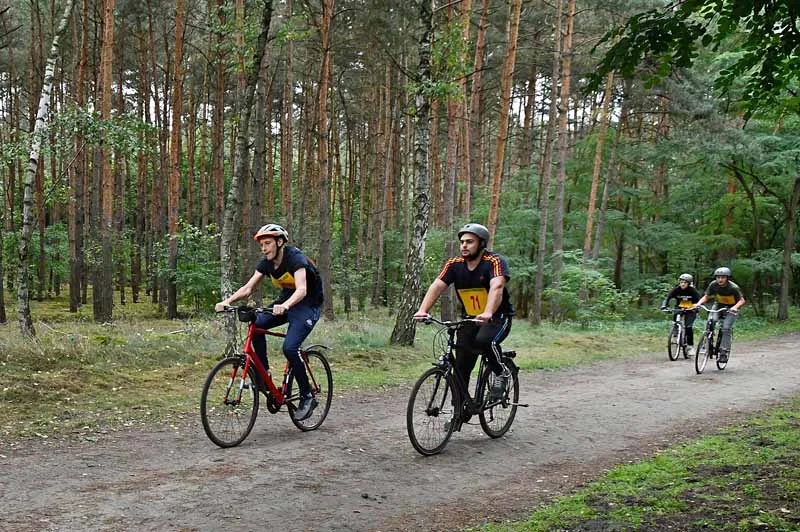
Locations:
(685, 304)
(474, 300)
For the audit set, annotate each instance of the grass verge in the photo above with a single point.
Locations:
(77, 376)
(742, 478)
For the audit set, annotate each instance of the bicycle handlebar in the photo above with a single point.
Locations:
(717, 311)
(457, 323)
(675, 309)
(231, 308)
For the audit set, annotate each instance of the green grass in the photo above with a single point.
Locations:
(742, 478)
(77, 375)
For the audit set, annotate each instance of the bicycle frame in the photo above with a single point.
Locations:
(264, 373)
(711, 332)
(714, 317)
(252, 359)
(466, 400)
(679, 321)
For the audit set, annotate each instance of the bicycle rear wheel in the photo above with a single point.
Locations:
(673, 343)
(229, 402)
(497, 416)
(430, 416)
(321, 380)
(701, 354)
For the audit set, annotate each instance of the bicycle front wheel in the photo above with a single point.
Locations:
(721, 365)
(321, 380)
(673, 344)
(701, 354)
(497, 416)
(430, 416)
(229, 402)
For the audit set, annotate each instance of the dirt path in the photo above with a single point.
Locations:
(359, 472)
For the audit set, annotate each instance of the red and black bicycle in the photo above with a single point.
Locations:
(232, 392)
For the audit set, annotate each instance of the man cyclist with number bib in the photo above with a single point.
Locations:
(479, 276)
(726, 294)
(298, 304)
(685, 295)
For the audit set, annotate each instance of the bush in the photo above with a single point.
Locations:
(585, 294)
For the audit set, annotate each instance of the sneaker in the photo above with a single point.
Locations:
(498, 387)
(304, 409)
(723, 356)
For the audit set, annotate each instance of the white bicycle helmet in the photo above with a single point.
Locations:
(274, 230)
(725, 272)
(686, 277)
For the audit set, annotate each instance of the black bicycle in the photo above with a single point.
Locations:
(676, 341)
(440, 402)
(708, 346)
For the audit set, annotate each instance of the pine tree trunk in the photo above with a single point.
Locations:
(598, 163)
(505, 104)
(547, 169)
(103, 284)
(218, 128)
(23, 294)
(287, 119)
(173, 196)
(563, 147)
(324, 185)
(788, 250)
(405, 327)
(475, 111)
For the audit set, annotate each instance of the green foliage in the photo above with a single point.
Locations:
(198, 270)
(769, 62)
(586, 294)
(743, 478)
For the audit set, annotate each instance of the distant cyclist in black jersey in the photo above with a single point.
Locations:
(726, 294)
(685, 296)
(298, 303)
(480, 278)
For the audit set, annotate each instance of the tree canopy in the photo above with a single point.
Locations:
(763, 33)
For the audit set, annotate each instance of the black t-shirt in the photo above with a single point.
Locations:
(724, 296)
(472, 287)
(283, 276)
(685, 297)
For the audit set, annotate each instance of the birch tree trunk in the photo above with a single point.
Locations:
(502, 127)
(233, 206)
(404, 326)
(23, 291)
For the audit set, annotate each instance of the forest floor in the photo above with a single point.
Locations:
(359, 471)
